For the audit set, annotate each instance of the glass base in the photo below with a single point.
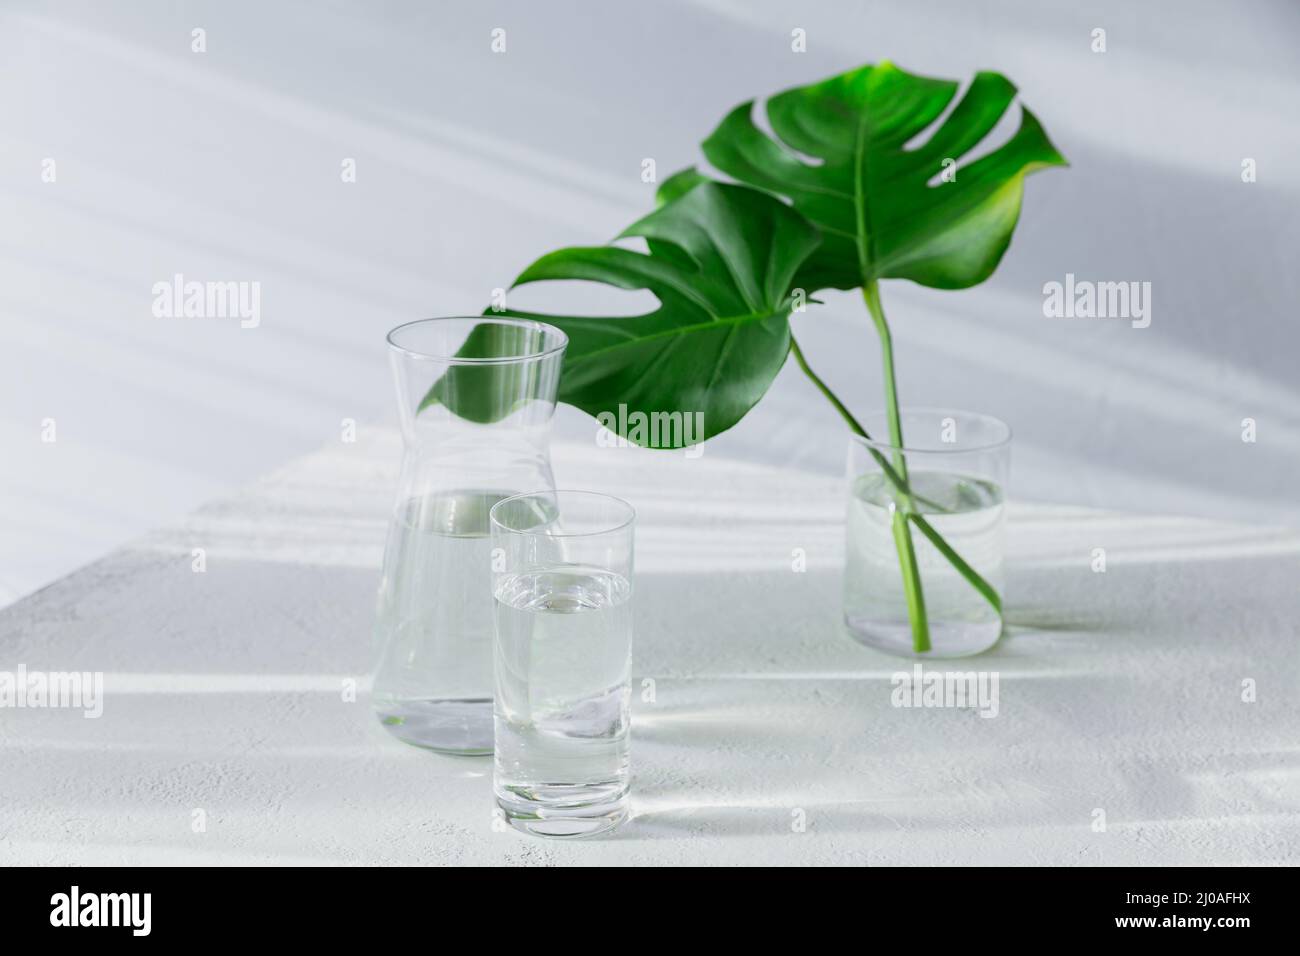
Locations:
(461, 727)
(564, 811)
(948, 639)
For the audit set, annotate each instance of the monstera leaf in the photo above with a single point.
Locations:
(883, 207)
(883, 180)
(721, 260)
(484, 387)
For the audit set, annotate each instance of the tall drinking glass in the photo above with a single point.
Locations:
(476, 396)
(562, 581)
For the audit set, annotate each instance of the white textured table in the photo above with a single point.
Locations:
(1119, 691)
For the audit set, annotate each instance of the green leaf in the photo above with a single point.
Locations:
(721, 261)
(489, 391)
(870, 194)
(679, 184)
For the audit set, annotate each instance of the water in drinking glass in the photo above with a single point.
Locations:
(968, 513)
(563, 689)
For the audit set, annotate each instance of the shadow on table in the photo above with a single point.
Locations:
(750, 821)
(758, 704)
(1120, 698)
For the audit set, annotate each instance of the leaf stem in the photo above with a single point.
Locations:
(970, 574)
(825, 390)
(965, 570)
(856, 427)
(904, 506)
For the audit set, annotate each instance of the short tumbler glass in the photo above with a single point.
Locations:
(956, 464)
(562, 583)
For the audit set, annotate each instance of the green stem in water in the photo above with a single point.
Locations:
(904, 506)
(942, 546)
(969, 573)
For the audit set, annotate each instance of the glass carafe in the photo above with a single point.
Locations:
(476, 397)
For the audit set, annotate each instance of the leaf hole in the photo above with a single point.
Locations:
(927, 132)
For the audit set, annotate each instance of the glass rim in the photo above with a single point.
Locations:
(630, 513)
(543, 327)
(887, 445)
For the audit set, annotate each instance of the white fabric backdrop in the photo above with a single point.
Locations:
(226, 165)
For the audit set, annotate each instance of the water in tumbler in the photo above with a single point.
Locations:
(433, 682)
(967, 512)
(564, 639)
